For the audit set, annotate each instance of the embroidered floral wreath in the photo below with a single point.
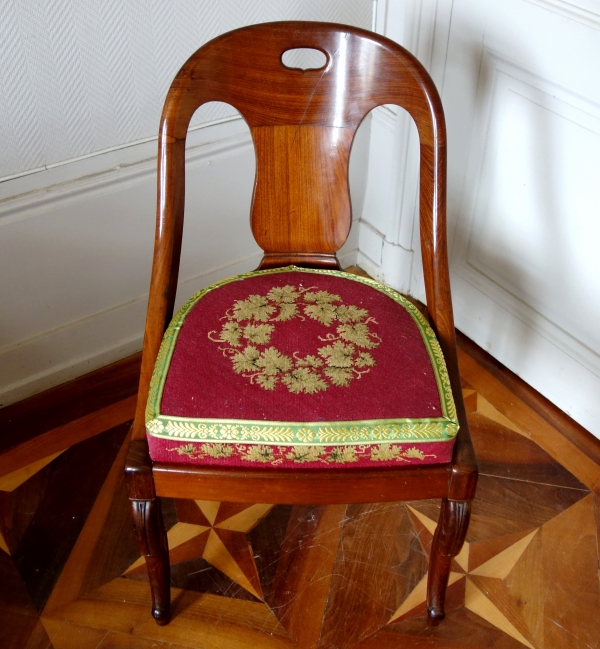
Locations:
(250, 323)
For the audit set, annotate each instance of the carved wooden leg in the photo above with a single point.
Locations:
(447, 542)
(152, 540)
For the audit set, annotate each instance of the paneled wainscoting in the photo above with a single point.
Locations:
(277, 576)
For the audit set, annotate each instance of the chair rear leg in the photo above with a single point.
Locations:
(447, 543)
(152, 541)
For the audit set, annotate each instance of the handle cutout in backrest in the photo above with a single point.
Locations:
(304, 58)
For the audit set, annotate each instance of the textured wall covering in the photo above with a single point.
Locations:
(79, 76)
(82, 85)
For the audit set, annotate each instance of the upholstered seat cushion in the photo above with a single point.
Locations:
(297, 368)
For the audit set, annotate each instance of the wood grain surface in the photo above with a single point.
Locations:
(302, 123)
(330, 576)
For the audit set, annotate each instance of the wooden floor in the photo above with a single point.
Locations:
(277, 576)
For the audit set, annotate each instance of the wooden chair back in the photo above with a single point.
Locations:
(303, 124)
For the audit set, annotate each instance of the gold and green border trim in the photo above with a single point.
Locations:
(339, 433)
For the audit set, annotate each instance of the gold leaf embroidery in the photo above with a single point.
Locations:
(387, 452)
(254, 319)
(231, 333)
(416, 453)
(246, 361)
(283, 294)
(338, 354)
(324, 313)
(343, 454)
(351, 313)
(216, 450)
(272, 433)
(256, 307)
(301, 454)
(322, 297)
(266, 381)
(415, 430)
(258, 334)
(304, 380)
(358, 334)
(181, 429)
(259, 454)
(364, 359)
(188, 449)
(339, 375)
(273, 362)
(310, 361)
(286, 312)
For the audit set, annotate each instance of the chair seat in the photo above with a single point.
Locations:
(252, 368)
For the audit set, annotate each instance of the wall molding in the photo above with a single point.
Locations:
(119, 147)
(69, 184)
(469, 266)
(389, 224)
(588, 15)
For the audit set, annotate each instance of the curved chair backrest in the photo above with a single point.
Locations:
(303, 124)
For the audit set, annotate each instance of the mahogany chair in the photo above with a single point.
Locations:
(347, 448)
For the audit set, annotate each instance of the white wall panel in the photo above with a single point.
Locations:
(391, 203)
(521, 93)
(542, 188)
(522, 102)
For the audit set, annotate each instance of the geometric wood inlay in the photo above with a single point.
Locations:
(496, 568)
(305, 576)
(418, 596)
(11, 481)
(479, 603)
(501, 564)
(215, 532)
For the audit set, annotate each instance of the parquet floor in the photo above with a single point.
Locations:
(277, 576)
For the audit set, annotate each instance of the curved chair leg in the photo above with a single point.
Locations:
(447, 543)
(152, 541)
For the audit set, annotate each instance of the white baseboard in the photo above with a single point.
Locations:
(79, 347)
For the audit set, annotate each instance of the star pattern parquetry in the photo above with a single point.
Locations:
(215, 532)
(331, 576)
(476, 579)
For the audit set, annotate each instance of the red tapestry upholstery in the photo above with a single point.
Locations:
(300, 368)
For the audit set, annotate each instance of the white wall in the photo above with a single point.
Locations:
(388, 229)
(83, 86)
(82, 89)
(521, 92)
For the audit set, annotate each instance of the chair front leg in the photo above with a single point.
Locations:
(152, 541)
(447, 543)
